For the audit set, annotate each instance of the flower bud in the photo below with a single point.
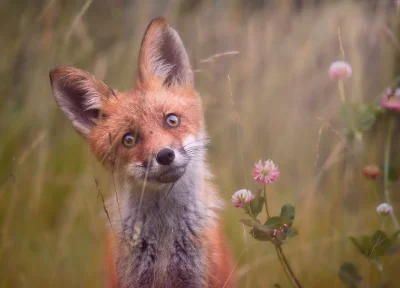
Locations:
(242, 198)
(372, 172)
(391, 99)
(340, 70)
(384, 209)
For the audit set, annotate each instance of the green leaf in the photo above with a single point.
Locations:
(367, 245)
(380, 244)
(256, 205)
(291, 232)
(364, 245)
(275, 222)
(365, 117)
(287, 214)
(258, 232)
(348, 274)
(358, 245)
(359, 116)
(261, 234)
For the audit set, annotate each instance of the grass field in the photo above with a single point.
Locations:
(268, 96)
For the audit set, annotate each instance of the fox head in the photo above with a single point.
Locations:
(154, 132)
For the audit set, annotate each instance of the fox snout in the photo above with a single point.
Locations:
(165, 156)
(165, 166)
(169, 166)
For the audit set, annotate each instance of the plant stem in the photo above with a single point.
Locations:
(290, 270)
(341, 92)
(281, 256)
(265, 201)
(386, 171)
(251, 213)
(376, 266)
(284, 267)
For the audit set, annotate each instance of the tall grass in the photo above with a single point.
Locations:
(279, 103)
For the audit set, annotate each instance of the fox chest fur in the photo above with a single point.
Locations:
(162, 242)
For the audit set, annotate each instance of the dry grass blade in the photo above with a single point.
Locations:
(234, 267)
(218, 55)
(36, 142)
(99, 194)
(144, 184)
(76, 20)
(237, 130)
(111, 154)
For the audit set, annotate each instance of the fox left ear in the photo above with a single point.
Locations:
(79, 95)
(163, 57)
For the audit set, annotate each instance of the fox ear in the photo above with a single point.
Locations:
(163, 57)
(80, 95)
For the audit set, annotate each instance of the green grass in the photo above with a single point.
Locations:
(51, 222)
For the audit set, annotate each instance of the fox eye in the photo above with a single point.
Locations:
(173, 120)
(129, 140)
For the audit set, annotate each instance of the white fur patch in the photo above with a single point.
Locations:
(188, 140)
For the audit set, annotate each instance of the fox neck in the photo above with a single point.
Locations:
(167, 203)
(162, 233)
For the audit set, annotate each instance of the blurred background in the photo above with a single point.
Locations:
(268, 96)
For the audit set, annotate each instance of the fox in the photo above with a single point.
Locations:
(164, 229)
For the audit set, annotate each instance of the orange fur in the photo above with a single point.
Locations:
(220, 264)
(110, 260)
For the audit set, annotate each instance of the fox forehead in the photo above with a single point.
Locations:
(147, 109)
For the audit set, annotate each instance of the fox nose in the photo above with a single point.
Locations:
(165, 156)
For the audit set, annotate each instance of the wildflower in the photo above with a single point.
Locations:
(372, 172)
(242, 198)
(340, 70)
(266, 173)
(391, 99)
(384, 209)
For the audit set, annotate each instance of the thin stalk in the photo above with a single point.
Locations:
(290, 270)
(341, 92)
(251, 213)
(386, 181)
(375, 266)
(284, 267)
(265, 201)
(282, 258)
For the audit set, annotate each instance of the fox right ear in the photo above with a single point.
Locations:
(79, 95)
(163, 57)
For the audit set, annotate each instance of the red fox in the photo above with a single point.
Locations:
(166, 229)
